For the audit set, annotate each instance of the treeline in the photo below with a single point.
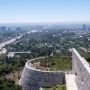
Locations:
(13, 63)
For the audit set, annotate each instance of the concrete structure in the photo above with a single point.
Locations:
(81, 69)
(70, 82)
(79, 79)
(33, 79)
(80, 73)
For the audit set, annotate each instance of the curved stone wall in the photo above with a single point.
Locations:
(33, 79)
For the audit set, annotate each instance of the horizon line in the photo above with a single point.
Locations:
(45, 22)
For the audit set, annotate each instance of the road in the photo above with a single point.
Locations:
(3, 44)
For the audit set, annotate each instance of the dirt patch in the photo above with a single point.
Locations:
(37, 65)
(14, 75)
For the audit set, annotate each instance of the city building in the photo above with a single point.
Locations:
(84, 27)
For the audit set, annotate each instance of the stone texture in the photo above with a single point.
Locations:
(33, 79)
(81, 69)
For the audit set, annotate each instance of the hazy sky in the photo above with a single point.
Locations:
(33, 11)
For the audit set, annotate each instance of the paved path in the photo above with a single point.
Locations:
(70, 82)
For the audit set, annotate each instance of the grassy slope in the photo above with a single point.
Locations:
(57, 87)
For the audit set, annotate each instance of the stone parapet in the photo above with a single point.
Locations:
(80, 67)
(33, 79)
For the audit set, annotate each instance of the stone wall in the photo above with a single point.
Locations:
(81, 69)
(33, 79)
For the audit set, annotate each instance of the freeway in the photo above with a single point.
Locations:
(3, 44)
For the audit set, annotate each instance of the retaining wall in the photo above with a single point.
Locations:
(33, 79)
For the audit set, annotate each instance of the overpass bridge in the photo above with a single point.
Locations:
(11, 54)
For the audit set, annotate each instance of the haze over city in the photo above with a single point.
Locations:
(44, 44)
(44, 11)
